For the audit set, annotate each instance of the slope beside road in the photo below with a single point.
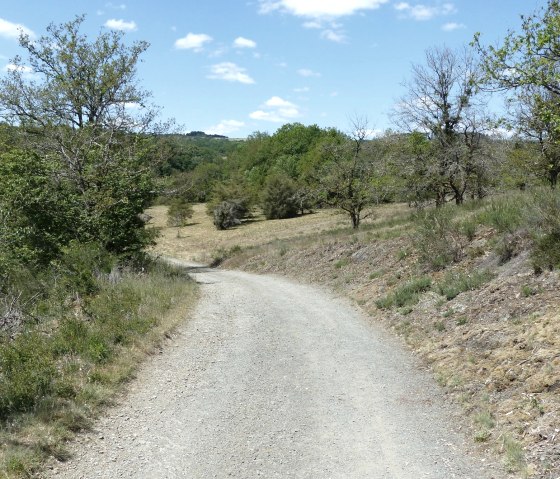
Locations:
(275, 379)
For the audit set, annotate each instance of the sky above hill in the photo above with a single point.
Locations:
(233, 67)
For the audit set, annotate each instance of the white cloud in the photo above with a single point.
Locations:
(132, 105)
(276, 101)
(241, 42)
(304, 89)
(276, 110)
(13, 30)
(319, 8)
(229, 71)
(113, 6)
(422, 12)
(115, 24)
(333, 36)
(10, 67)
(313, 24)
(193, 41)
(452, 26)
(24, 70)
(225, 127)
(306, 72)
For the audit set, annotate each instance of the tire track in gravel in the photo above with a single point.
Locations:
(275, 379)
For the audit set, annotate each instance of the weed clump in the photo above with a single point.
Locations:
(406, 295)
(544, 219)
(456, 283)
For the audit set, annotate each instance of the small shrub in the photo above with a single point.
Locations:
(482, 435)
(438, 239)
(342, 262)
(544, 219)
(219, 256)
(375, 275)
(468, 228)
(228, 214)
(515, 459)
(179, 212)
(455, 283)
(527, 291)
(27, 373)
(279, 198)
(81, 266)
(406, 295)
(504, 214)
(439, 326)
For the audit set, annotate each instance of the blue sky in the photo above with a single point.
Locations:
(234, 67)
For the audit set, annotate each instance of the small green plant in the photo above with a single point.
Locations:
(462, 321)
(482, 435)
(439, 326)
(179, 212)
(514, 457)
(485, 419)
(527, 291)
(375, 274)
(406, 295)
(402, 254)
(438, 240)
(341, 263)
(504, 214)
(455, 283)
(544, 220)
(468, 228)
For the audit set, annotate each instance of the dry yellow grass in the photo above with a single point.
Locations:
(200, 239)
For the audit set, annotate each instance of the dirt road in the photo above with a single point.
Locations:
(274, 379)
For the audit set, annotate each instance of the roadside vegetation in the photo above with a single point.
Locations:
(446, 228)
(81, 302)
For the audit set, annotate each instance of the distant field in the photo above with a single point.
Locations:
(200, 239)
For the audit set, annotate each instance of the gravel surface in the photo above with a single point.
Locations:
(275, 379)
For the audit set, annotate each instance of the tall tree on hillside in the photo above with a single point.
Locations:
(81, 110)
(527, 64)
(441, 103)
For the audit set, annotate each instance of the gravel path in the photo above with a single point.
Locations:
(274, 379)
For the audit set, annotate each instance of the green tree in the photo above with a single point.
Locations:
(179, 212)
(279, 199)
(350, 168)
(87, 121)
(526, 63)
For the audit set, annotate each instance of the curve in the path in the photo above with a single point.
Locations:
(276, 379)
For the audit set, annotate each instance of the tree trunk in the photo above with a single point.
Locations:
(355, 220)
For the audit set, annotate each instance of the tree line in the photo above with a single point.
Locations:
(83, 154)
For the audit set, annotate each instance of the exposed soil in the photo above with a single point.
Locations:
(276, 379)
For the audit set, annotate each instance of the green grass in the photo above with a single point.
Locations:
(56, 374)
(406, 295)
(514, 456)
(454, 284)
(341, 263)
(504, 214)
